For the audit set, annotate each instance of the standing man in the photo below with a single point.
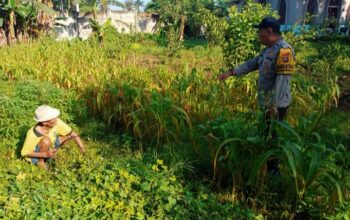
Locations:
(44, 139)
(276, 65)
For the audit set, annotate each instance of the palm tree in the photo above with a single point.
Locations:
(138, 4)
(103, 4)
(129, 5)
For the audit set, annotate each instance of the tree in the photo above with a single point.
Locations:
(172, 14)
(129, 5)
(17, 16)
(138, 5)
(186, 13)
(240, 42)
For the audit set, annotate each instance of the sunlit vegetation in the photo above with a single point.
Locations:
(165, 139)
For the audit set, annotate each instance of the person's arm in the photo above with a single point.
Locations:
(77, 140)
(247, 67)
(29, 147)
(47, 154)
(64, 130)
(73, 135)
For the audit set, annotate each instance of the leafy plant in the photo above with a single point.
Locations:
(241, 41)
(215, 28)
(18, 17)
(176, 106)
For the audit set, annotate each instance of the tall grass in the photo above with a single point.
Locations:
(147, 93)
(134, 88)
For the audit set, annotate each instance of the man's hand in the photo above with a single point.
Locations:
(82, 149)
(78, 141)
(272, 111)
(50, 153)
(226, 75)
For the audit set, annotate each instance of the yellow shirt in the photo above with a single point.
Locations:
(33, 137)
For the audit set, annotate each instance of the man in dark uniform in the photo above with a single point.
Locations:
(276, 64)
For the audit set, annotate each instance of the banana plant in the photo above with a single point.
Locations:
(17, 14)
(99, 29)
(8, 8)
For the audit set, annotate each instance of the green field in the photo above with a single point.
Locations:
(166, 140)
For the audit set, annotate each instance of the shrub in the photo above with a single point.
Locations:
(241, 41)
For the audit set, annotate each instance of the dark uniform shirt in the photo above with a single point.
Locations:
(276, 66)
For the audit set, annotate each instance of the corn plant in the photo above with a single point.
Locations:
(310, 163)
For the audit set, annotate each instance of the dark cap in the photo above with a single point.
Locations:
(269, 22)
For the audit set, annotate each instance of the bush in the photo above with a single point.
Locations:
(105, 183)
(173, 43)
(241, 39)
(92, 187)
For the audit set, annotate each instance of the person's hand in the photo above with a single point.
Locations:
(82, 149)
(226, 75)
(50, 153)
(272, 111)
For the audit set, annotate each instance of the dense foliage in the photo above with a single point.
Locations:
(176, 105)
(240, 36)
(136, 101)
(110, 181)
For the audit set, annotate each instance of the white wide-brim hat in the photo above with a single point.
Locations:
(46, 113)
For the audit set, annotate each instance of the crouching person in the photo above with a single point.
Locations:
(44, 139)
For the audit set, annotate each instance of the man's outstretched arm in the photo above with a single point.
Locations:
(247, 67)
